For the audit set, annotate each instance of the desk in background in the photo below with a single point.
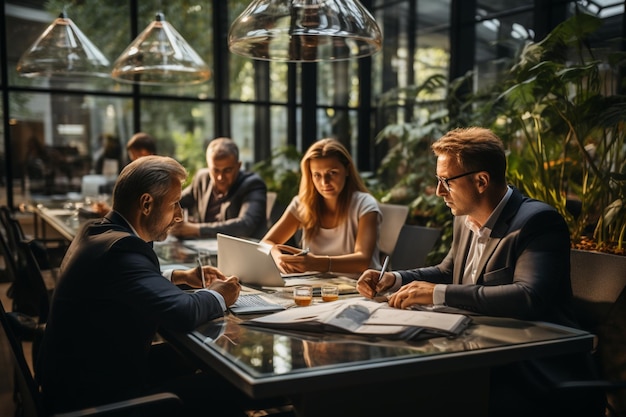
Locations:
(339, 375)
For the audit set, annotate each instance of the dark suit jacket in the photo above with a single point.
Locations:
(108, 304)
(243, 212)
(524, 271)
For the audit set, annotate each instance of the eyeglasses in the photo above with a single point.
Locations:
(446, 181)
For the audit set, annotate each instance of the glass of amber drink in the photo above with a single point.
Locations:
(330, 293)
(303, 295)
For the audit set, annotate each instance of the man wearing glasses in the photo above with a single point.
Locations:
(222, 198)
(510, 257)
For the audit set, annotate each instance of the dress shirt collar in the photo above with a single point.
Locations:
(485, 230)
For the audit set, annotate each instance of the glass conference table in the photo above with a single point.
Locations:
(342, 375)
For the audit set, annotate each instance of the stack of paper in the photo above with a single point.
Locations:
(365, 317)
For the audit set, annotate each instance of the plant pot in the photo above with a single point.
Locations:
(598, 284)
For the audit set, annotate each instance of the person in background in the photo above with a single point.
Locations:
(108, 160)
(222, 198)
(140, 144)
(339, 219)
(111, 298)
(510, 257)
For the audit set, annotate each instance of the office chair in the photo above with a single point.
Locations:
(48, 252)
(27, 401)
(599, 301)
(413, 246)
(394, 217)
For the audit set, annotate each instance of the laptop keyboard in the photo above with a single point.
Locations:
(251, 300)
(254, 303)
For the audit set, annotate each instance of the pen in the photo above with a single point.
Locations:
(382, 271)
(303, 252)
(201, 272)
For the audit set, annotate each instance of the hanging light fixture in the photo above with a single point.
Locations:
(62, 49)
(304, 31)
(158, 56)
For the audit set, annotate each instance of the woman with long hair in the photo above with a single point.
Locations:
(338, 217)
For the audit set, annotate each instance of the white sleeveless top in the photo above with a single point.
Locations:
(342, 239)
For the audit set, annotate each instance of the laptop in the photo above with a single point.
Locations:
(248, 260)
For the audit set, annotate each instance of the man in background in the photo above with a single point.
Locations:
(140, 144)
(222, 198)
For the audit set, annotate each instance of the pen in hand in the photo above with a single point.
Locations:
(201, 271)
(380, 276)
(303, 252)
(384, 268)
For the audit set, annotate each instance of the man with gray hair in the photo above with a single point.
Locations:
(224, 199)
(111, 297)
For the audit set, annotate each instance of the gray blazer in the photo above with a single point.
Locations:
(243, 212)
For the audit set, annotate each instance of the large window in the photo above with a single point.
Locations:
(261, 105)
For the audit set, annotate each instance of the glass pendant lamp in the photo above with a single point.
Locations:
(304, 31)
(62, 49)
(160, 56)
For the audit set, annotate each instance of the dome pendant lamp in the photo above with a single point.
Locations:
(305, 31)
(160, 56)
(62, 49)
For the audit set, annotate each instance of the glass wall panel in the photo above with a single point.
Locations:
(182, 129)
(338, 83)
(278, 82)
(279, 126)
(432, 53)
(339, 124)
(243, 132)
(241, 70)
(57, 139)
(498, 41)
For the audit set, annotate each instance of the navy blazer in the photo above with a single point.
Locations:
(242, 213)
(524, 271)
(107, 307)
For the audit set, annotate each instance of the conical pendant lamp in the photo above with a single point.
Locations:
(160, 56)
(305, 31)
(62, 49)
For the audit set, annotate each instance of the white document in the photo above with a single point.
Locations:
(365, 317)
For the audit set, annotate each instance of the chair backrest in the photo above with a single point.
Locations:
(597, 282)
(33, 296)
(27, 400)
(413, 246)
(394, 217)
(271, 200)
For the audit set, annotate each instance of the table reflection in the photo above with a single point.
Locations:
(257, 350)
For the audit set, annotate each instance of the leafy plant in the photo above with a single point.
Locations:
(565, 132)
(558, 114)
(281, 173)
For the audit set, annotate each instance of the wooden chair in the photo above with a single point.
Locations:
(27, 401)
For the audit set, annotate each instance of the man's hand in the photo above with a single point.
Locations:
(416, 292)
(229, 288)
(193, 278)
(185, 230)
(368, 284)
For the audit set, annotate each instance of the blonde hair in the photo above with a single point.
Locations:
(310, 210)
